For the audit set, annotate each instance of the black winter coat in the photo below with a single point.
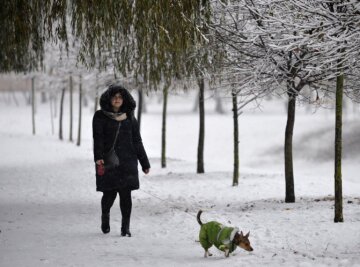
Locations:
(128, 147)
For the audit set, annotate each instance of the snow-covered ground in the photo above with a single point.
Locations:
(50, 211)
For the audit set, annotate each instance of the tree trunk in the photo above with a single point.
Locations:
(61, 114)
(196, 104)
(51, 114)
(14, 97)
(71, 110)
(163, 128)
(200, 153)
(218, 103)
(96, 101)
(236, 138)
(289, 173)
(43, 97)
(80, 109)
(55, 96)
(338, 149)
(140, 103)
(85, 101)
(33, 103)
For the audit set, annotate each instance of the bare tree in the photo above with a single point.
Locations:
(163, 124)
(71, 86)
(33, 103)
(80, 112)
(262, 52)
(201, 143)
(61, 113)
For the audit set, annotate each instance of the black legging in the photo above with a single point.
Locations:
(125, 202)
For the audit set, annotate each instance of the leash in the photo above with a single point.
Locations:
(165, 202)
(172, 206)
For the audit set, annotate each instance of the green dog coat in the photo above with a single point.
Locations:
(214, 233)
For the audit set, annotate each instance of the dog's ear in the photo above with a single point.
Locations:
(247, 235)
(241, 233)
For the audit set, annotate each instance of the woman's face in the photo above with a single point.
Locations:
(116, 102)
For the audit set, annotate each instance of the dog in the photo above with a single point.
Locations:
(224, 238)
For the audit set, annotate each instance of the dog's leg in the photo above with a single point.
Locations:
(227, 253)
(207, 253)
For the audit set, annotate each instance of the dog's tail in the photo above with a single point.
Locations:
(198, 217)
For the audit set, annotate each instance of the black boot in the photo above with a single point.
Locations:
(125, 225)
(105, 223)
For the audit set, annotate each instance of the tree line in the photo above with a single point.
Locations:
(249, 49)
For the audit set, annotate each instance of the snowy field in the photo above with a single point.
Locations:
(50, 211)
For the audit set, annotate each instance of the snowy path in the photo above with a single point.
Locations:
(50, 216)
(50, 212)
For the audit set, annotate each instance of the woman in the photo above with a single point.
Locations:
(116, 120)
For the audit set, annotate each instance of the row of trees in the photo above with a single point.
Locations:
(249, 49)
(285, 46)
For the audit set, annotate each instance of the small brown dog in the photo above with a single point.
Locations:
(224, 238)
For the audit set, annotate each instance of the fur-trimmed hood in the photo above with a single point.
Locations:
(128, 105)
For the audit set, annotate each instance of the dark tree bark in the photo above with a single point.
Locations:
(218, 103)
(43, 97)
(51, 114)
(289, 172)
(71, 109)
(61, 114)
(140, 104)
(85, 101)
(196, 104)
(80, 111)
(200, 153)
(14, 98)
(163, 128)
(55, 98)
(338, 149)
(33, 103)
(236, 138)
(96, 100)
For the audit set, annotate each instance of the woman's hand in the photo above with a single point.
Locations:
(146, 171)
(100, 162)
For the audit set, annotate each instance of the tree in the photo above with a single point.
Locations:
(71, 86)
(116, 31)
(236, 62)
(80, 112)
(33, 103)
(201, 142)
(61, 113)
(269, 54)
(332, 29)
(163, 124)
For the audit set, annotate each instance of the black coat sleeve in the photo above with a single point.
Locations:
(98, 136)
(139, 147)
